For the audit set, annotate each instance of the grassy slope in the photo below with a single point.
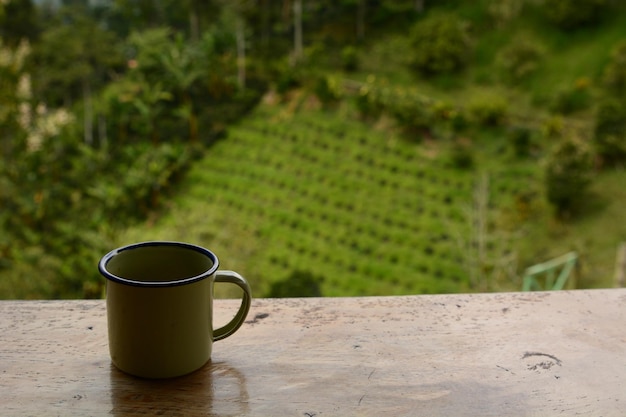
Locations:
(373, 214)
(314, 192)
(369, 212)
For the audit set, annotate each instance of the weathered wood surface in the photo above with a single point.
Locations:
(514, 354)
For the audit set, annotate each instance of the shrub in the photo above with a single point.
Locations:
(349, 58)
(287, 76)
(504, 11)
(488, 110)
(567, 174)
(615, 71)
(573, 98)
(461, 155)
(520, 140)
(571, 14)
(441, 44)
(327, 89)
(411, 111)
(552, 127)
(448, 115)
(298, 284)
(520, 58)
(610, 131)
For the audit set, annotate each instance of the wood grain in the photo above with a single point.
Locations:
(507, 354)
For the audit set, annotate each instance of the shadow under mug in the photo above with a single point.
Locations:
(159, 299)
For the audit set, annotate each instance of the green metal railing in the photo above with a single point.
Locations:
(564, 265)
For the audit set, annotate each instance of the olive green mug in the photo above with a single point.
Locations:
(159, 299)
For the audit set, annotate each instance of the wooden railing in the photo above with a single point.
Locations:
(503, 354)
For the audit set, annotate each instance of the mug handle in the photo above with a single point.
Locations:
(230, 328)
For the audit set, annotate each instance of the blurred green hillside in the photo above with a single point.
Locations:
(402, 147)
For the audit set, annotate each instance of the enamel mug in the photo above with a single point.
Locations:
(160, 307)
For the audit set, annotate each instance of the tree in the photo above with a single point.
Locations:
(234, 18)
(440, 44)
(16, 94)
(568, 173)
(132, 105)
(181, 71)
(520, 58)
(88, 54)
(191, 73)
(402, 7)
(191, 17)
(18, 21)
(504, 11)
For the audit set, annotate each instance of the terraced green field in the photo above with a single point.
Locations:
(365, 212)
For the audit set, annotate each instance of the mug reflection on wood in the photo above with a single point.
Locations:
(160, 307)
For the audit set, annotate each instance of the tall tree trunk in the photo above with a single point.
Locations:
(194, 22)
(297, 25)
(241, 53)
(102, 131)
(158, 16)
(265, 24)
(286, 11)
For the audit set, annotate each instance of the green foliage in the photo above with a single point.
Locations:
(572, 98)
(350, 58)
(298, 284)
(89, 52)
(504, 11)
(66, 194)
(411, 110)
(415, 113)
(370, 99)
(16, 94)
(18, 21)
(552, 127)
(571, 14)
(134, 108)
(615, 72)
(488, 110)
(64, 205)
(324, 194)
(102, 120)
(610, 131)
(286, 76)
(440, 44)
(165, 67)
(328, 89)
(461, 155)
(520, 138)
(568, 173)
(520, 58)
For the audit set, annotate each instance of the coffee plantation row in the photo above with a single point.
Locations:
(361, 211)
